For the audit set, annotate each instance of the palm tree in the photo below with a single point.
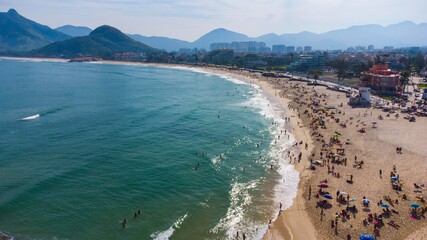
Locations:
(316, 73)
(316, 76)
(341, 67)
(404, 79)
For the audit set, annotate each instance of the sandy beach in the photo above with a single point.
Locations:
(389, 209)
(355, 155)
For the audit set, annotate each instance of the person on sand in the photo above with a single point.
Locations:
(321, 214)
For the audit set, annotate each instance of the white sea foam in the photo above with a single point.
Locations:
(285, 189)
(165, 235)
(32, 117)
(240, 198)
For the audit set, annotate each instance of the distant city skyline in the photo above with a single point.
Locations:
(188, 20)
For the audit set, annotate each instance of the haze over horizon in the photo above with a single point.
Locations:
(188, 20)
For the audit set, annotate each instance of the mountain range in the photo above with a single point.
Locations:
(18, 34)
(104, 42)
(74, 31)
(404, 34)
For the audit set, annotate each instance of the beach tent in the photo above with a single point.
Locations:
(327, 196)
(383, 205)
(366, 237)
(414, 205)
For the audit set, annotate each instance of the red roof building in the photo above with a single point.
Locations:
(381, 80)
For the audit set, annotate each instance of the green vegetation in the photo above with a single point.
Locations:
(18, 34)
(389, 98)
(422, 85)
(105, 41)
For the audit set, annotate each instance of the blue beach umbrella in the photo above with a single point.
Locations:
(394, 179)
(366, 237)
(414, 205)
(328, 196)
(366, 201)
(384, 205)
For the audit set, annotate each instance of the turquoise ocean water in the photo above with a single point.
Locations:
(85, 145)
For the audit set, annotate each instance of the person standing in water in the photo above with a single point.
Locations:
(124, 223)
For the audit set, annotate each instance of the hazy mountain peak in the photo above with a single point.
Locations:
(105, 29)
(12, 12)
(406, 23)
(219, 35)
(74, 31)
(104, 41)
(269, 35)
(18, 33)
(220, 30)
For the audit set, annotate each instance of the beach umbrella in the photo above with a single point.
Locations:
(327, 196)
(366, 201)
(394, 179)
(375, 222)
(366, 237)
(414, 205)
(383, 205)
(343, 193)
(353, 199)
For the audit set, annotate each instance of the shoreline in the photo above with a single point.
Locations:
(301, 221)
(293, 222)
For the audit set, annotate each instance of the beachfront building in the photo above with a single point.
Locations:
(252, 46)
(306, 62)
(290, 49)
(381, 80)
(388, 48)
(220, 56)
(279, 48)
(308, 49)
(217, 46)
(242, 47)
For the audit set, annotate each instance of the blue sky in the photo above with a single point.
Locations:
(189, 19)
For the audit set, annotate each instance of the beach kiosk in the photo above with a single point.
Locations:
(365, 94)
